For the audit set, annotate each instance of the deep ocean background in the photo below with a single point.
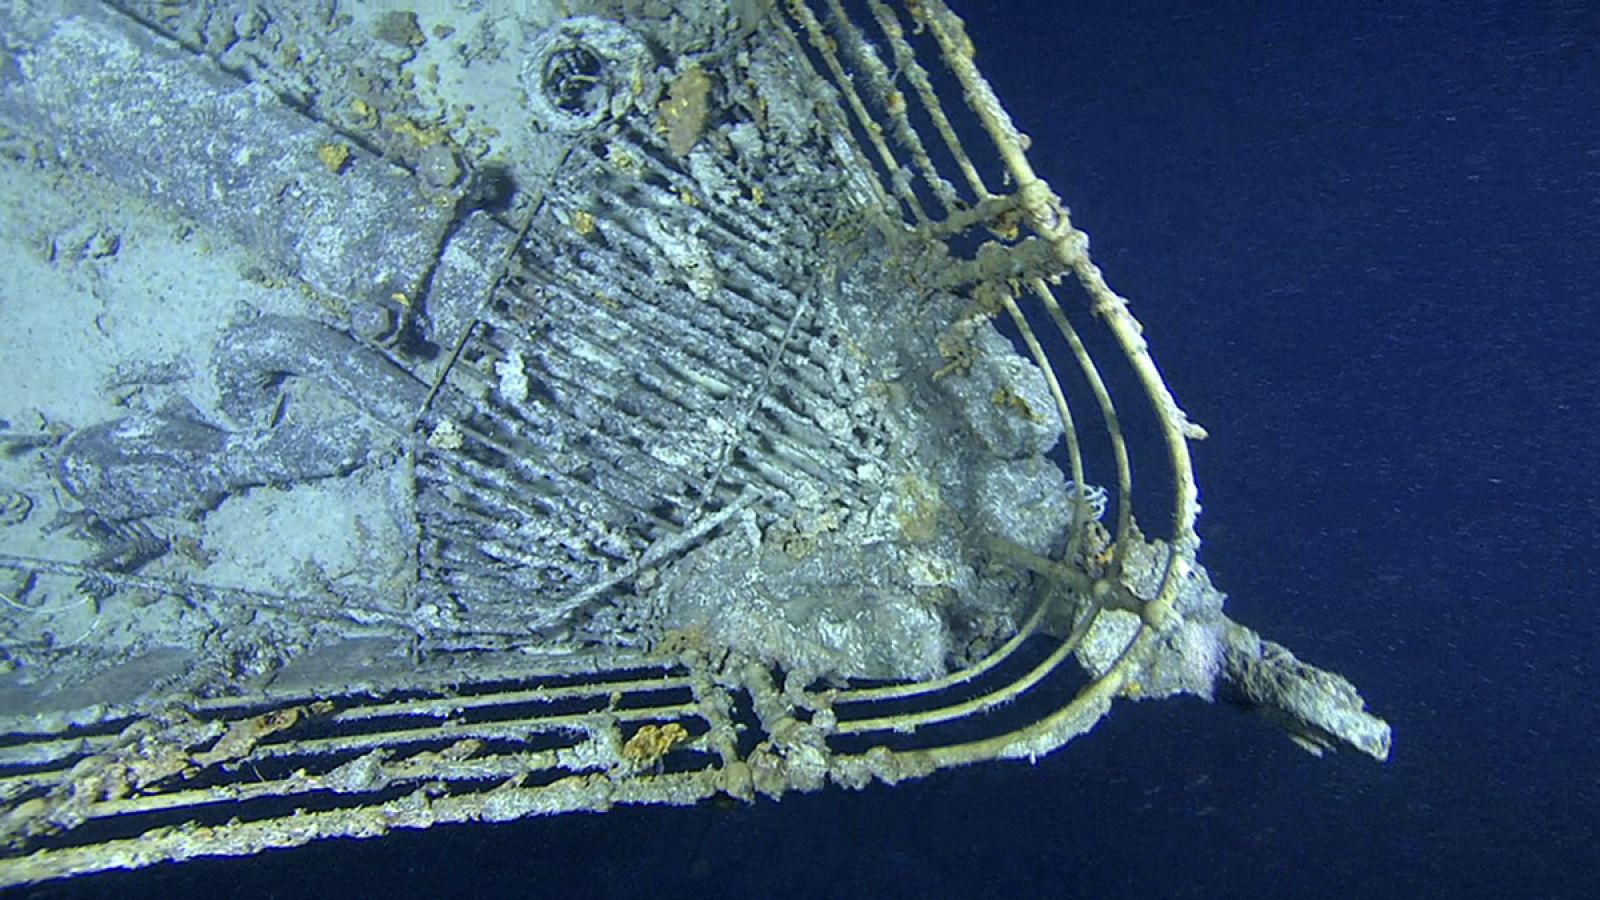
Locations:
(1365, 241)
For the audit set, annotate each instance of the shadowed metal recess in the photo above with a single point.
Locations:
(757, 421)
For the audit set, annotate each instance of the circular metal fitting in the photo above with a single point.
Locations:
(582, 72)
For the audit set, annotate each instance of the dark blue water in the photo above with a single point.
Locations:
(1365, 243)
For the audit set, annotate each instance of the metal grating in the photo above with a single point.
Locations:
(563, 514)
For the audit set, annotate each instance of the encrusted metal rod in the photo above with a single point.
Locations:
(1050, 220)
(519, 728)
(827, 48)
(892, 103)
(1069, 428)
(1108, 414)
(455, 704)
(1051, 732)
(418, 809)
(979, 704)
(883, 198)
(507, 729)
(842, 696)
(911, 68)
